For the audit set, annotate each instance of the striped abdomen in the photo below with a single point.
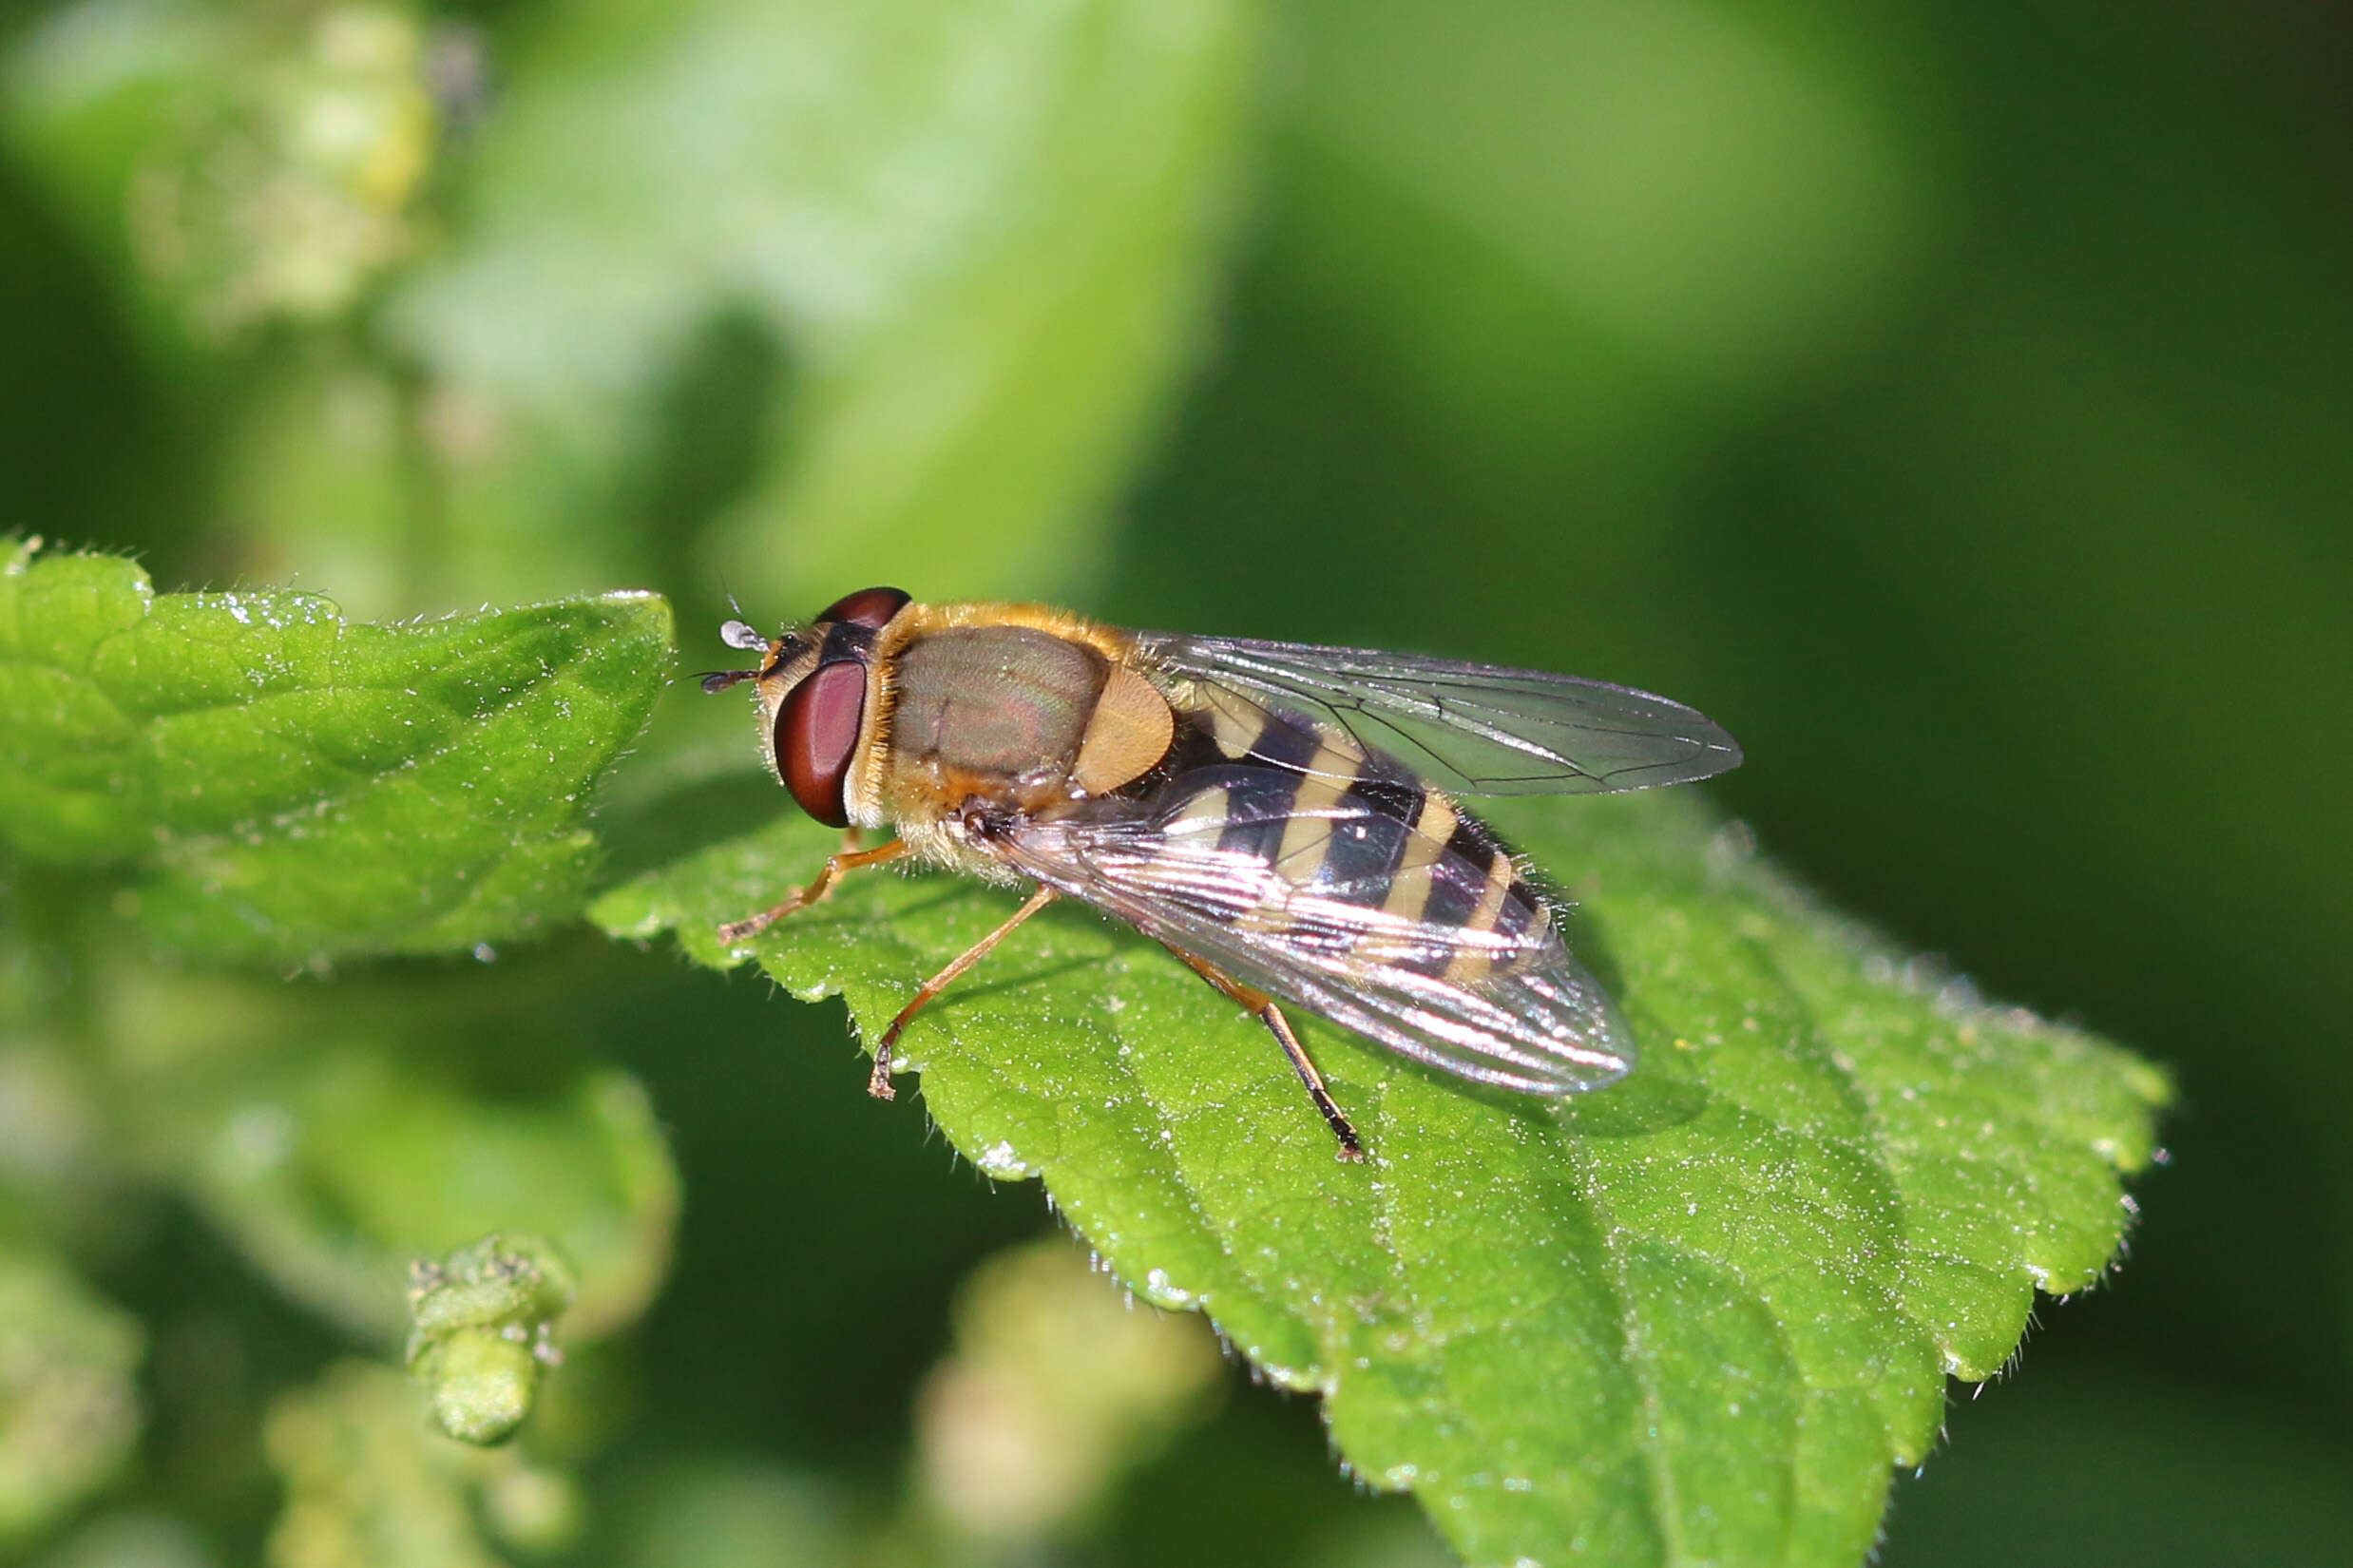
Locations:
(1342, 849)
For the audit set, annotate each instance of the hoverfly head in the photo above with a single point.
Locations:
(812, 683)
(818, 677)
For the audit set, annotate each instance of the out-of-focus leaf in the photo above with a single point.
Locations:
(1055, 1387)
(324, 486)
(367, 1481)
(280, 784)
(339, 1165)
(69, 1397)
(251, 163)
(1696, 1317)
(982, 235)
(132, 1539)
(1688, 226)
(736, 1513)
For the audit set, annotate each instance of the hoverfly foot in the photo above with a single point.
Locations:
(1263, 1007)
(878, 1081)
(736, 932)
(878, 1084)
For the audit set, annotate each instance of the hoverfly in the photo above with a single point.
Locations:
(1279, 816)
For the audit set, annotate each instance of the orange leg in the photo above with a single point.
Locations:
(1262, 1007)
(879, 1084)
(850, 859)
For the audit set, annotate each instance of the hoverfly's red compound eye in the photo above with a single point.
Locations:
(868, 607)
(817, 737)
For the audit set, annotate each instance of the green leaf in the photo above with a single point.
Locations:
(283, 785)
(1696, 1317)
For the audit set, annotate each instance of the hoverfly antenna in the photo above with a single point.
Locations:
(718, 680)
(740, 633)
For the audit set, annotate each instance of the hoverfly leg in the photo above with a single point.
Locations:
(1352, 1147)
(1262, 1007)
(879, 1083)
(850, 859)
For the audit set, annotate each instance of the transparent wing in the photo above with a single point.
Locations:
(1532, 1020)
(1469, 729)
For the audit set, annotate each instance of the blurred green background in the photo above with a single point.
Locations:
(1957, 404)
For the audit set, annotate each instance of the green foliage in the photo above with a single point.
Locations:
(1053, 1388)
(978, 231)
(367, 1483)
(69, 1403)
(271, 782)
(1769, 358)
(1693, 1318)
(333, 1161)
(281, 785)
(275, 151)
